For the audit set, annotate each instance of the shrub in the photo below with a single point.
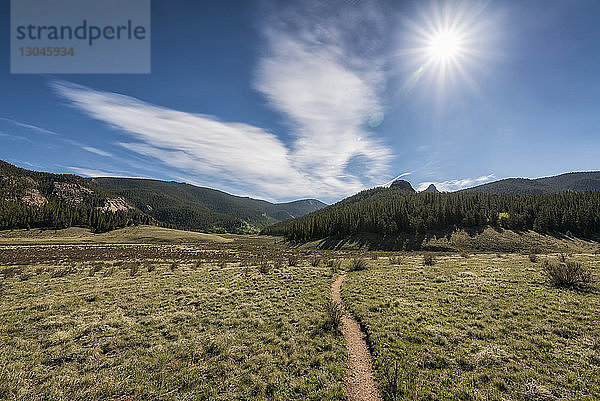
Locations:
(395, 260)
(358, 263)
(25, 276)
(264, 267)
(567, 274)
(315, 262)
(334, 266)
(134, 267)
(292, 260)
(9, 272)
(174, 266)
(398, 379)
(533, 258)
(333, 315)
(428, 260)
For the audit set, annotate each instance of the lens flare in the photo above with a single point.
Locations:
(445, 44)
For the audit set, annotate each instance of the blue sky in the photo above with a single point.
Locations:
(323, 99)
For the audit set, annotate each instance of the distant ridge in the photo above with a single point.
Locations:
(46, 200)
(578, 182)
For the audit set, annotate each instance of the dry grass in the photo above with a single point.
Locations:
(189, 332)
(483, 328)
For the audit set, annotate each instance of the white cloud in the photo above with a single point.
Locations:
(194, 143)
(322, 75)
(455, 185)
(317, 75)
(28, 126)
(93, 172)
(97, 151)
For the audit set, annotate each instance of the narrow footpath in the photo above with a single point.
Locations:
(359, 382)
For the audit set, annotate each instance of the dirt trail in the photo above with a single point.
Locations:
(359, 382)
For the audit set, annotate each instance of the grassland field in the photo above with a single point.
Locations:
(146, 313)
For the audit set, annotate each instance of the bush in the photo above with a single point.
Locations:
(395, 260)
(567, 273)
(9, 272)
(428, 260)
(292, 260)
(334, 266)
(333, 315)
(264, 267)
(316, 261)
(533, 258)
(174, 266)
(357, 264)
(134, 268)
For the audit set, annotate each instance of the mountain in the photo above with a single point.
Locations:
(36, 199)
(395, 218)
(189, 207)
(432, 189)
(403, 185)
(578, 182)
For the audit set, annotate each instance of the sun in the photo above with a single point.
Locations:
(444, 46)
(447, 45)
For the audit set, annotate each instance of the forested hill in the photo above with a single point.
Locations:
(579, 182)
(190, 207)
(36, 199)
(393, 213)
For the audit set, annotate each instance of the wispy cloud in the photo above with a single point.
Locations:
(28, 126)
(93, 172)
(194, 143)
(324, 75)
(455, 185)
(396, 178)
(97, 151)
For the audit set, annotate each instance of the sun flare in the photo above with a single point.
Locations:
(444, 46)
(447, 44)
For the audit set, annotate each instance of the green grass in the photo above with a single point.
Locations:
(146, 330)
(478, 328)
(206, 317)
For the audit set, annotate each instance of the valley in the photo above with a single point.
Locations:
(153, 313)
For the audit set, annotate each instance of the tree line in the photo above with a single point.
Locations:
(388, 212)
(57, 215)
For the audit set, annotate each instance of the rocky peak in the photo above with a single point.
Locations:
(431, 188)
(403, 185)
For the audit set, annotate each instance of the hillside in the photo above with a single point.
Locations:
(189, 207)
(579, 182)
(37, 199)
(45, 200)
(394, 218)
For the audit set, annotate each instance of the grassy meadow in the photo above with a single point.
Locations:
(172, 328)
(147, 313)
(478, 327)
